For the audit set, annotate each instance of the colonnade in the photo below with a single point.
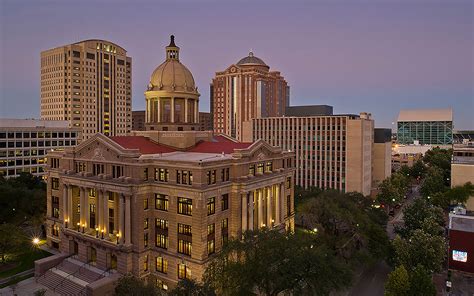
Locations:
(76, 216)
(262, 207)
(153, 110)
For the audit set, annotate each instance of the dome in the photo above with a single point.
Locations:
(172, 75)
(251, 60)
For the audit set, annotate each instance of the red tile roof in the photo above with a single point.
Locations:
(218, 144)
(143, 144)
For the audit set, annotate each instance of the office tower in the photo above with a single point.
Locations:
(332, 151)
(88, 84)
(24, 144)
(138, 120)
(425, 126)
(160, 203)
(205, 121)
(382, 156)
(462, 168)
(246, 90)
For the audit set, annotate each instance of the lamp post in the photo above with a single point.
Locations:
(102, 233)
(97, 232)
(83, 226)
(78, 226)
(65, 222)
(35, 242)
(117, 235)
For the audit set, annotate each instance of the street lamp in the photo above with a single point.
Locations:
(117, 235)
(102, 233)
(83, 225)
(97, 232)
(78, 226)
(36, 241)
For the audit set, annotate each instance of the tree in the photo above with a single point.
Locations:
(421, 282)
(398, 283)
(420, 249)
(129, 285)
(393, 189)
(418, 169)
(189, 287)
(269, 262)
(11, 239)
(433, 182)
(456, 195)
(415, 215)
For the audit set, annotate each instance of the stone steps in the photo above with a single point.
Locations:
(60, 285)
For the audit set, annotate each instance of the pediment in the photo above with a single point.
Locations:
(100, 148)
(259, 150)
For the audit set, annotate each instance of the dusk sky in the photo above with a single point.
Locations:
(373, 56)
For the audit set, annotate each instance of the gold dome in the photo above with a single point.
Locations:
(172, 75)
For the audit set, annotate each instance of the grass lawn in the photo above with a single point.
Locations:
(24, 259)
(16, 280)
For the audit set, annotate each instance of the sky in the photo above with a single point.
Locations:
(376, 56)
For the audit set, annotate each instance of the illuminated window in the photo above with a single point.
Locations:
(184, 247)
(184, 229)
(211, 177)
(269, 167)
(145, 240)
(145, 223)
(184, 177)
(211, 246)
(161, 175)
(288, 182)
(161, 265)
(211, 205)
(161, 202)
(145, 203)
(55, 183)
(260, 168)
(145, 263)
(184, 272)
(225, 202)
(252, 170)
(185, 206)
(161, 241)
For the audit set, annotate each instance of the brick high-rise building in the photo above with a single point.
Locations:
(88, 84)
(138, 120)
(246, 90)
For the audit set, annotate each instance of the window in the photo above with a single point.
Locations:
(161, 202)
(269, 167)
(80, 167)
(225, 201)
(145, 203)
(184, 247)
(145, 223)
(161, 241)
(55, 183)
(145, 240)
(288, 182)
(55, 230)
(185, 206)
(161, 175)
(161, 265)
(211, 248)
(211, 177)
(184, 229)
(260, 168)
(54, 163)
(225, 174)
(145, 174)
(211, 205)
(184, 272)
(145, 263)
(225, 230)
(55, 206)
(97, 169)
(252, 170)
(161, 224)
(184, 177)
(117, 171)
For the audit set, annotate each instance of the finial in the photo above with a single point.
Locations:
(251, 53)
(172, 41)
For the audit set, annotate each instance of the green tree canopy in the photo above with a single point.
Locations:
(421, 282)
(434, 182)
(11, 239)
(398, 283)
(129, 285)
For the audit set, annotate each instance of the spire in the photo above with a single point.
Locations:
(251, 53)
(172, 51)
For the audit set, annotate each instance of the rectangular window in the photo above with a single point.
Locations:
(288, 205)
(225, 174)
(161, 265)
(145, 263)
(211, 177)
(145, 223)
(252, 170)
(211, 246)
(184, 177)
(161, 241)
(211, 205)
(145, 240)
(211, 229)
(225, 201)
(269, 167)
(145, 174)
(288, 182)
(260, 168)
(184, 247)
(184, 272)
(145, 203)
(55, 183)
(184, 229)
(161, 202)
(55, 206)
(185, 206)
(161, 175)
(161, 224)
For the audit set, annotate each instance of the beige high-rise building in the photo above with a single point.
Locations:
(332, 151)
(88, 84)
(462, 168)
(381, 156)
(246, 90)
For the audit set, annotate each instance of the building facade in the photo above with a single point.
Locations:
(382, 156)
(246, 90)
(205, 121)
(160, 203)
(24, 144)
(462, 168)
(138, 120)
(332, 152)
(425, 127)
(88, 84)
(461, 248)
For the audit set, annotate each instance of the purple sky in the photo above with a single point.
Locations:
(374, 56)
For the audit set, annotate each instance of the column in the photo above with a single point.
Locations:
(244, 212)
(260, 209)
(105, 212)
(158, 110)
(71, 209)
(121, 213)
(147, 111)
(196, 111)
(82, 207)
(128, 228)
(98, 205)
(277, 204)
(172, 109)
(269, 206)
(65, 208)
(186, 110)
(252, 195)
(87, 208)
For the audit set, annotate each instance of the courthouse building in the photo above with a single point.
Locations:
(159, 202)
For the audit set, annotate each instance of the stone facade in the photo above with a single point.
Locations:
(134, 205)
